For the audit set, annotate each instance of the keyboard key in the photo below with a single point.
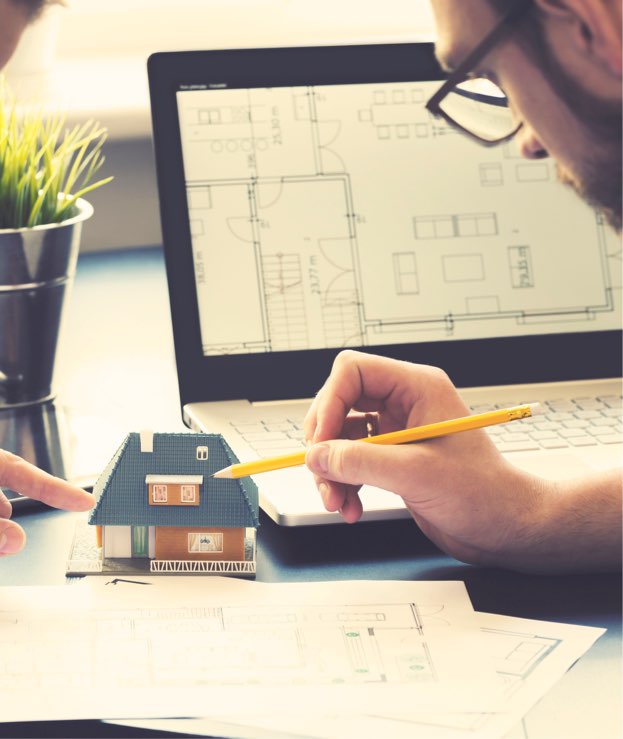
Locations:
(517, 446)
(612, 401)
(510, 437)
(561, 406)
(264, 436)
(495, 431)
(606, 421)
(588, 414)
(558, 443)
(276, 449)
(612, 412)
(559, 416)
(601, 431)
(614, 439)
(543, 435)
(585, 404)
(582, 440)
(570, 433)
(531, 420)
(576, 423)
(243, 428)
(279, 426)
(546, 426)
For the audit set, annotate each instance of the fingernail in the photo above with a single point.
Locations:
(318, 458)
(323, 489)
(11, 541)
(5, 506)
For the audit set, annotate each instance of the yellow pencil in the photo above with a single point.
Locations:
(406, 436)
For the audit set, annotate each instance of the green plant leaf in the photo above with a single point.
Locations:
(44, 165)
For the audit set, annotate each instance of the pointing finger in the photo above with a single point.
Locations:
(25, 478)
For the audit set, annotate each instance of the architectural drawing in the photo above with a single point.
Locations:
(377, 654)
(222, 645)
(350, 218)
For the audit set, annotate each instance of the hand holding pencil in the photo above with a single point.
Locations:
(462, 493)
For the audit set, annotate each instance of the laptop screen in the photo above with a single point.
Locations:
(321, 207)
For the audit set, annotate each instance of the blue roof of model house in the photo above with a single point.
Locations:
(121, 490)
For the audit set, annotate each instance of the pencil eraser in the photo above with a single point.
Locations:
(536, 409)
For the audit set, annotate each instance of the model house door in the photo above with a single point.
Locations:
(140, 541)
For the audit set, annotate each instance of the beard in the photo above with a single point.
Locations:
(599, 185)
(597, 177)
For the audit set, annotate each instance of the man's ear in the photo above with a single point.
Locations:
(595, 28)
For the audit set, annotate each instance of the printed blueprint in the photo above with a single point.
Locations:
(196, 645)
(345, 216)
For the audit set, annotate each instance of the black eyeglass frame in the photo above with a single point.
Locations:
(462, 73)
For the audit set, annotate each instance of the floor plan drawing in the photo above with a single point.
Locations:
(410, 654)
(137, 646)
(337, 644)
(348, 217)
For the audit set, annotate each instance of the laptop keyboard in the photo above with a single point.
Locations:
(565, 423)
(273, 438)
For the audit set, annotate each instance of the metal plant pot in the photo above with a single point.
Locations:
(37, 266)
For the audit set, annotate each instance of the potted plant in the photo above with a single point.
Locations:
(46, 169)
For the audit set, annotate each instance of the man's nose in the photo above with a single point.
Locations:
(530, 145)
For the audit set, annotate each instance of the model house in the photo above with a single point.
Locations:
(158, 504)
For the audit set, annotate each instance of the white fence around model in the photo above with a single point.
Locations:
(180, 565)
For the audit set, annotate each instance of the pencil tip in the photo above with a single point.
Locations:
(223, 473)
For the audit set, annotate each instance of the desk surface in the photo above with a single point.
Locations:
(117, 372)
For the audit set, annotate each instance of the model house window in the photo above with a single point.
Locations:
(174, 490)
(199, 543)
(189, 494)
(202, 453)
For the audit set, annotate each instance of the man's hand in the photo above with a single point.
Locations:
(443, 482)
(460, 490)
(25, 478)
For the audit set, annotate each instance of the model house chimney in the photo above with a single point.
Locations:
(147, 441)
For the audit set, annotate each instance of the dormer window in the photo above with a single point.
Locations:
(174, 490)
(202, 453)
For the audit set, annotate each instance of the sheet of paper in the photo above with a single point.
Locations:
(528, 656)
(219, 646)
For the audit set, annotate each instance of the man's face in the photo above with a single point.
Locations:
(13, 21)
(555, 105)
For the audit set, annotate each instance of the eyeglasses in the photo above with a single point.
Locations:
(476, 106)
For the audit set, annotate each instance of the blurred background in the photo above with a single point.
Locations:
(89, 57)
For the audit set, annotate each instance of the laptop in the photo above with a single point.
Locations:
(309, 203)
